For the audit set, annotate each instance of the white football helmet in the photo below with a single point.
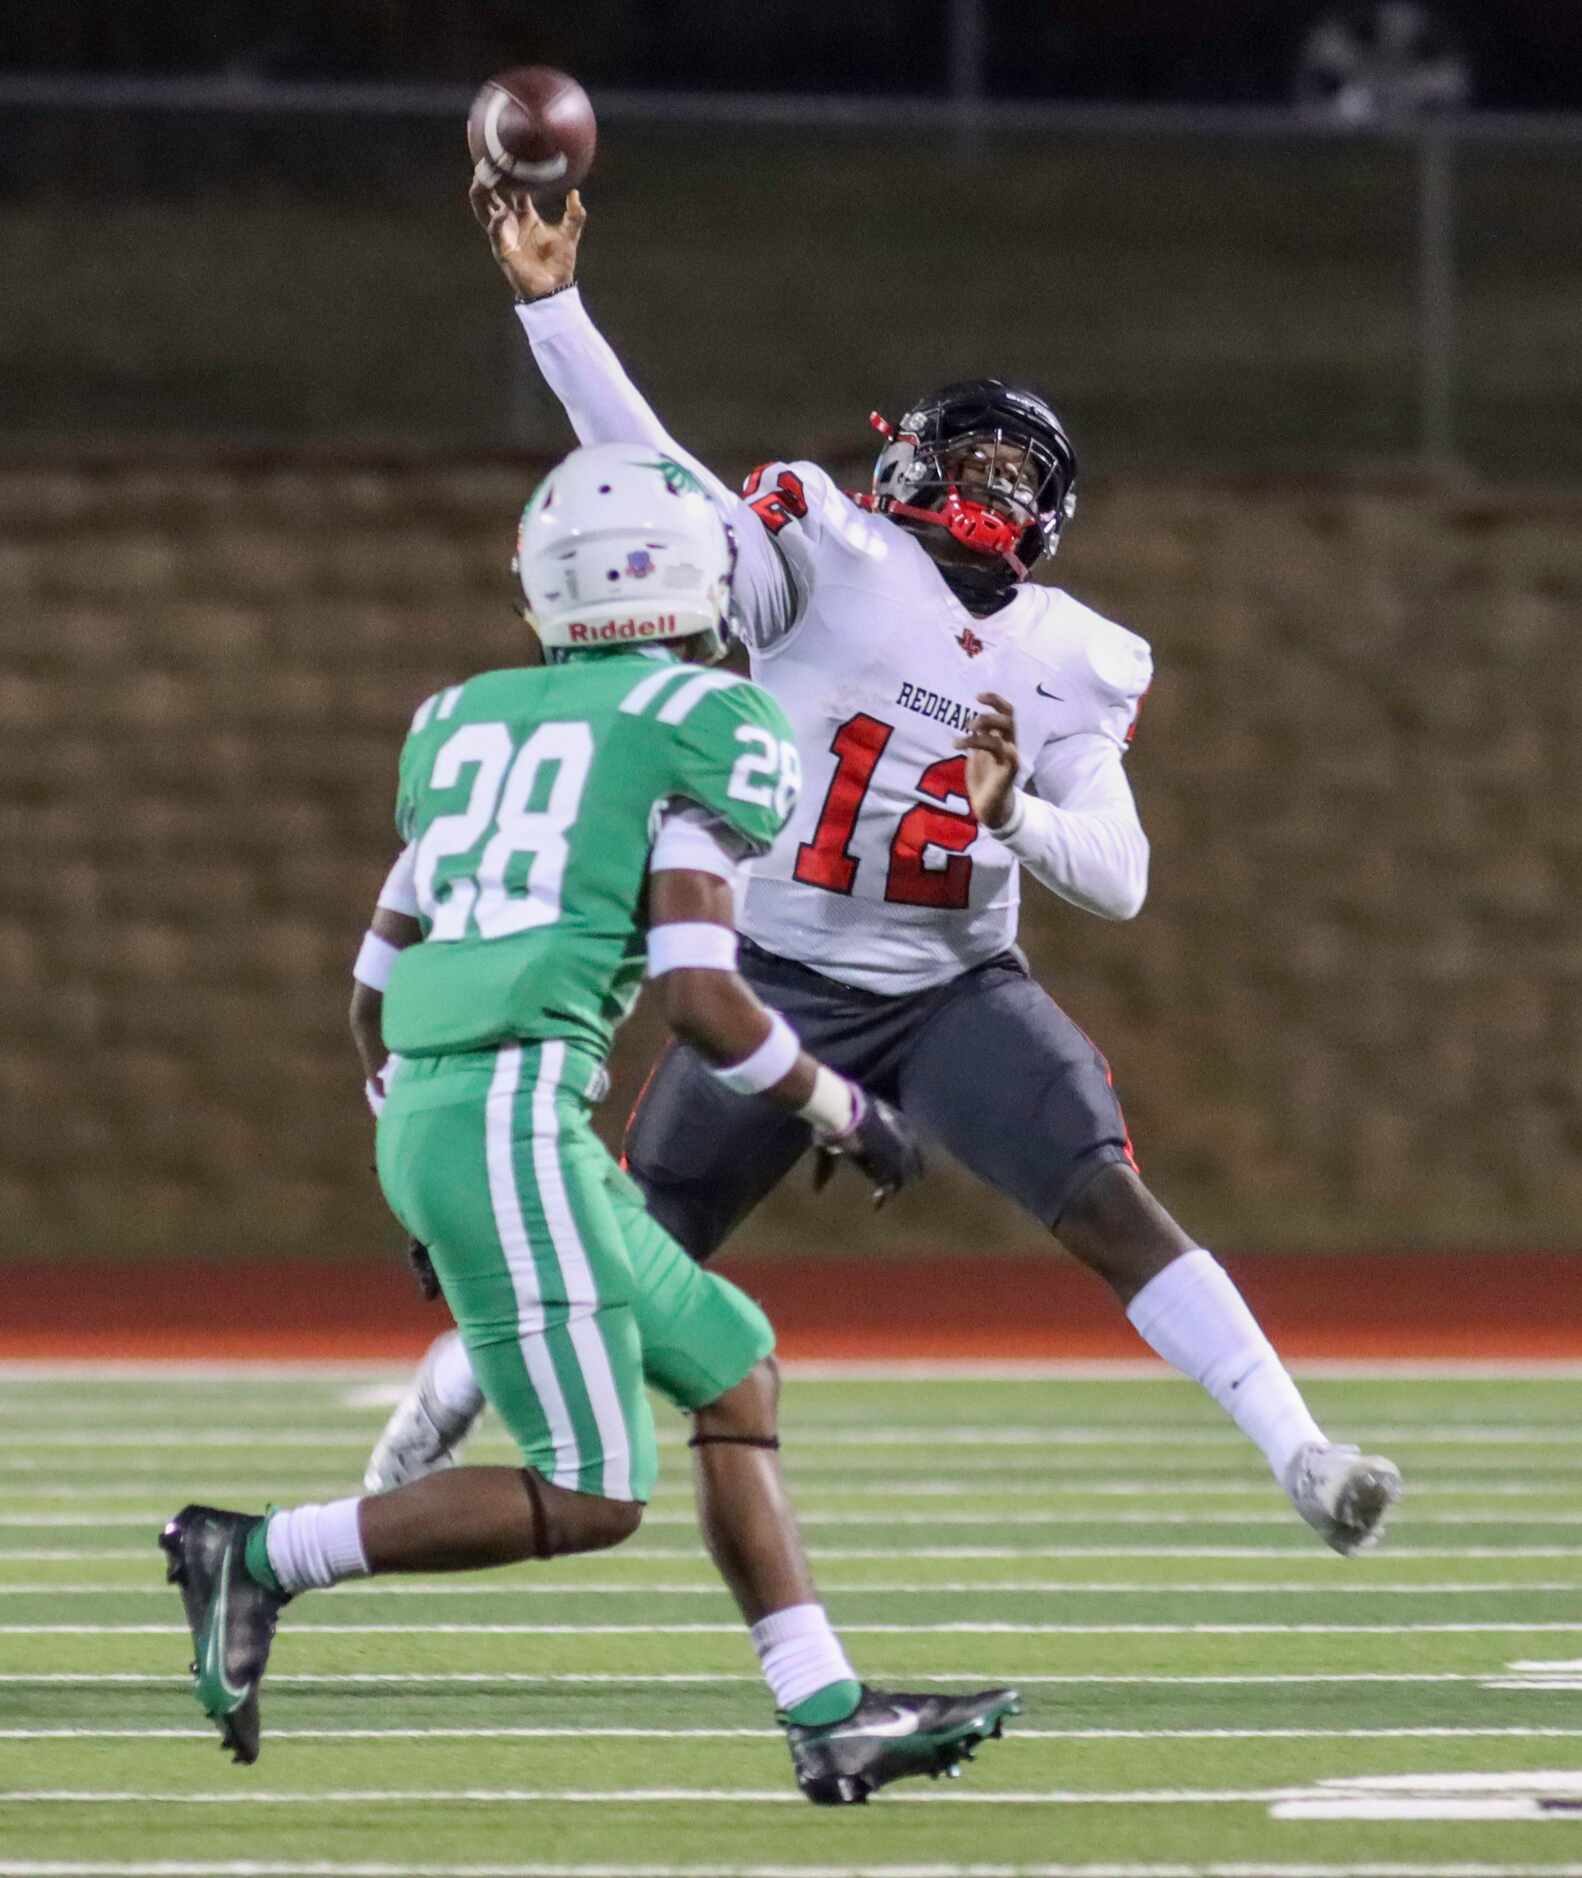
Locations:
(621, 546)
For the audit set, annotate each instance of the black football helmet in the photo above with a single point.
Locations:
(988, 462)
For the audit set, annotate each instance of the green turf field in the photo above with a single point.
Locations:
(1206, 1688)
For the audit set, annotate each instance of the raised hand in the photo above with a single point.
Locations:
(536, 257)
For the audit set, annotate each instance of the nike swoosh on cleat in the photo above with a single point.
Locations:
(899, 1724)
(214, 1644)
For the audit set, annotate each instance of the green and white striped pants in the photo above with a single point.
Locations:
(569, 1296)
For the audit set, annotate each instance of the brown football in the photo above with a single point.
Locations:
(531, 128)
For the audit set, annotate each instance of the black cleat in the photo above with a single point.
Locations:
(889, 1737)
(231, 1617)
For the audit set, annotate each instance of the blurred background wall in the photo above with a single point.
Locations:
(268, 421)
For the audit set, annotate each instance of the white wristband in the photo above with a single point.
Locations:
(834, 1105)
(770, 1063)
(696, 944)
(376, 959)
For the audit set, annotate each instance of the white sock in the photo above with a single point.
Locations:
(799, 1653)
(313, 1547)
(1197, 1320)
(455, 1387)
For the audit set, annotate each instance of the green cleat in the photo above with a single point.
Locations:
(889, 1737)
(231, 1617)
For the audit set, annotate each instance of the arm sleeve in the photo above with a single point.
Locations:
(696, 838)
(399, 893)
(604, 406)
(1081, 836)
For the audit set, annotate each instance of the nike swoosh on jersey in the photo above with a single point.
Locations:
(1058, 698)
(900, 1723)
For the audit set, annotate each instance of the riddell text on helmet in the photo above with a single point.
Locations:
(664, 627)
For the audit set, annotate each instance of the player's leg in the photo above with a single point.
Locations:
(703, 1157)
(707, 1347)
(438, 1410)
(1191, 1313)
(1038, 1119)
(491, 1161)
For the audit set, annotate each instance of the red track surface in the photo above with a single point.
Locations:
(1424, 1306)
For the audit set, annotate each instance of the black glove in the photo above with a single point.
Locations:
(880, 1143)
(422, 1269)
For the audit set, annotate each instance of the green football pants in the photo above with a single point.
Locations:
(568, 1294)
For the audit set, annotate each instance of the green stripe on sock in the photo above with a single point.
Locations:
(826, 1706)
(255, 1556)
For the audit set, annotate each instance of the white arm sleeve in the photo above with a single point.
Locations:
(604, 406)
(399, 893)
(690, 837)
(1081, 836)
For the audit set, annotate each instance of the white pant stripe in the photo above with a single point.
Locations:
(581, 1289)
(512, 1228)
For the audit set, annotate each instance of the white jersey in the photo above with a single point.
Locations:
(883, 879)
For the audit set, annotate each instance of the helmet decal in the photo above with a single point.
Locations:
(679, 480)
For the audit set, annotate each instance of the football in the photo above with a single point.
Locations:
(531, 128)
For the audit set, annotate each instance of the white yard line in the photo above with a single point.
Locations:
(324, 1868)
(963, 1629)
(643, 1796)
(640, 1552)
(533, 1678)
(802, 1439)
(641, 1555)
(933, 1519)
(1053, 1503)
(529, 1588)
(1016, 1733)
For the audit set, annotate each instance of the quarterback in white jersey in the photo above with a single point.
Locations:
(882, 665)
(957, 725)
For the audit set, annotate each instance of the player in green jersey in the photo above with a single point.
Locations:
(572, 827)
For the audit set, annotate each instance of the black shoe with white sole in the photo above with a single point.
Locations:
(891, 1736)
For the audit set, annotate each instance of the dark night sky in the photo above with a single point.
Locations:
(1521, 53)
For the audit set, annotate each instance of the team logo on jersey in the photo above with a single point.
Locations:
(969, 642)
(639, 564)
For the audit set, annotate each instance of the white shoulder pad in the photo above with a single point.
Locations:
(807, 515)
(1099, 665)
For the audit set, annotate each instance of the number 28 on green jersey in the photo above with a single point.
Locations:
(533, 797)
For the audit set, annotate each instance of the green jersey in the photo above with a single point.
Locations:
(533, 798)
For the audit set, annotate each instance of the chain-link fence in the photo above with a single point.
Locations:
(1225, 290)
